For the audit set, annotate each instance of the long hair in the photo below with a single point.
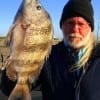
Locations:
(88, 50)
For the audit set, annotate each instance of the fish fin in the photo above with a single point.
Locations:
(9, 35)
(20, 92)
(11, 73)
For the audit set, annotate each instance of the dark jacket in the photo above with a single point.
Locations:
(58, 83)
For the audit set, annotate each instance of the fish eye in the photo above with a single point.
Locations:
(38, 7)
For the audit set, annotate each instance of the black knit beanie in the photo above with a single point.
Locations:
(81, 8)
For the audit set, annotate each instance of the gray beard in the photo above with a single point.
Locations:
(78, 45)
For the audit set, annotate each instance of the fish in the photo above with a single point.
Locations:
(30, 40)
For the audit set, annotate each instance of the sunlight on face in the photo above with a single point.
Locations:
(77, 41)
(76, 32)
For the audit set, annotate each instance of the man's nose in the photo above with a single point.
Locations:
(75, 28)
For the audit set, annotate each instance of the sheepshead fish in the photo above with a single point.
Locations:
(30, 39)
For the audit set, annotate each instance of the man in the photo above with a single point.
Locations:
(72, 70)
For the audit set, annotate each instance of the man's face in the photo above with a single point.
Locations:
(76, 31)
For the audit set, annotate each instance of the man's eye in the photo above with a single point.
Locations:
(68, 23)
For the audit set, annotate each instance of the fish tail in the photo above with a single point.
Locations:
(20, 92)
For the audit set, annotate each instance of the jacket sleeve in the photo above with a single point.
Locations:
(6, 84)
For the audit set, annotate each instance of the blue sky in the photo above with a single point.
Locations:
(8, 9)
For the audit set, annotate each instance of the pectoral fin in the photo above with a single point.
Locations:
(9, 35)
